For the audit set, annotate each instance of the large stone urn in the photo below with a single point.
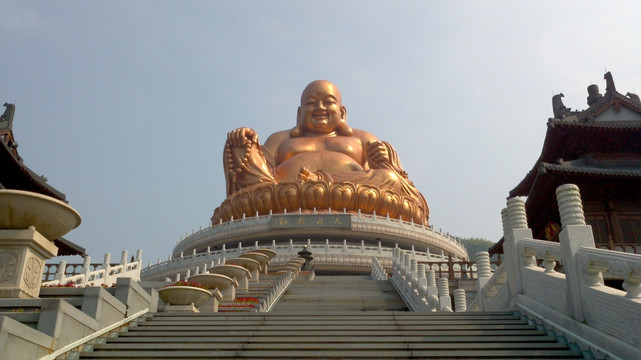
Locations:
(29, 222)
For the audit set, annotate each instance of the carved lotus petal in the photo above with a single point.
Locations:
(287, 196)
(315, 195)
(343, 196)
(264, 200)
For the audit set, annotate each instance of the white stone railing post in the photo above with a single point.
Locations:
(517, 230)
(484, 273)
(444, 299)
(123, 258)
(574, 235)
(106, 265)
(60, 272)
(414, 273)
(460, 302)
(422, 277)
(86, 269)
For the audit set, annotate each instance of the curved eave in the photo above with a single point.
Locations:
(560, 135)
(16, 175)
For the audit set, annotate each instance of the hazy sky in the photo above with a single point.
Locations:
(124, 105)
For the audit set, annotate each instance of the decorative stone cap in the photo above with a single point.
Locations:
(51, 217)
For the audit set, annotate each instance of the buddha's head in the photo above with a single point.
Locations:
(321, 111)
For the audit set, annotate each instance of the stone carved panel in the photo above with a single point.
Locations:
(8, 266)
(32, 273)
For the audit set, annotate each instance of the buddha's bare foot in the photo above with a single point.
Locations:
(306, 175)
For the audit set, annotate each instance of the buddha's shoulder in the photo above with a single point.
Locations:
(278, 136)
(363, 135)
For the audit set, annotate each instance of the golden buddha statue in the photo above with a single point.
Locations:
(321, 163)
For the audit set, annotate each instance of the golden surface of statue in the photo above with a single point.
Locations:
(321, 163)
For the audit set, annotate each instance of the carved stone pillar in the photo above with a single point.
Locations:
(22, 258)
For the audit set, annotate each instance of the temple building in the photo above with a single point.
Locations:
(599, 150)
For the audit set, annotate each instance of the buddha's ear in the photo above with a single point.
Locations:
(298, 119)
(343, 128)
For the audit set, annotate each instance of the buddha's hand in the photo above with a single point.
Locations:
(242, 137)
(377, 154)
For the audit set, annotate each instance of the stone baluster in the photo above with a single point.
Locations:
(274, 244)
(445, 301)
(574, 235)
(484, 273)
(460, 302)
(422, 276)
(123, 258)
(362, 246)
(422, 287)
(344, 245)
(414, 273)
(515, 219)
(86, 269)
(291, 245)
(407, 267)
(432, 289)
(106, 265)
(60, 272)
(326, 245)
(188, 274)
(380, 249)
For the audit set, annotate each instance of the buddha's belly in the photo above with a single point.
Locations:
(331, 162)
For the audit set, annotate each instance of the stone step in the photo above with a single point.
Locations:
(321, 323)
(345, 327)
(138, 338)
(344, 315)
(372, 345)
(334, 354)
(304, 332)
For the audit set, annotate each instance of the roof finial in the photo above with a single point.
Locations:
(558, 107)
(593, 94)
(7, 117)
(609, 83)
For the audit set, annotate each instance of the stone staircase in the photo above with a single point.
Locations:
(339, 317)
(340, 293)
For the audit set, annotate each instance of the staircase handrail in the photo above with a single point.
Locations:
(104, 274)
(69, 347)
(576, 298)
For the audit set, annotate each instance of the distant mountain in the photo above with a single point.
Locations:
(474, 245)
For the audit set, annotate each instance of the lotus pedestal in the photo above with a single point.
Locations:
(28, 224)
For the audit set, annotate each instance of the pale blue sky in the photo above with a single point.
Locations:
(125, 105)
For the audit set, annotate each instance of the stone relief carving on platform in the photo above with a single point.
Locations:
(8, 266)
(321, 163)
(33, 273)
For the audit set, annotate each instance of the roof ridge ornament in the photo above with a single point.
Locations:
(609, 83)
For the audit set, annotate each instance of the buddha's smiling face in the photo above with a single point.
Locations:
(321, 111)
